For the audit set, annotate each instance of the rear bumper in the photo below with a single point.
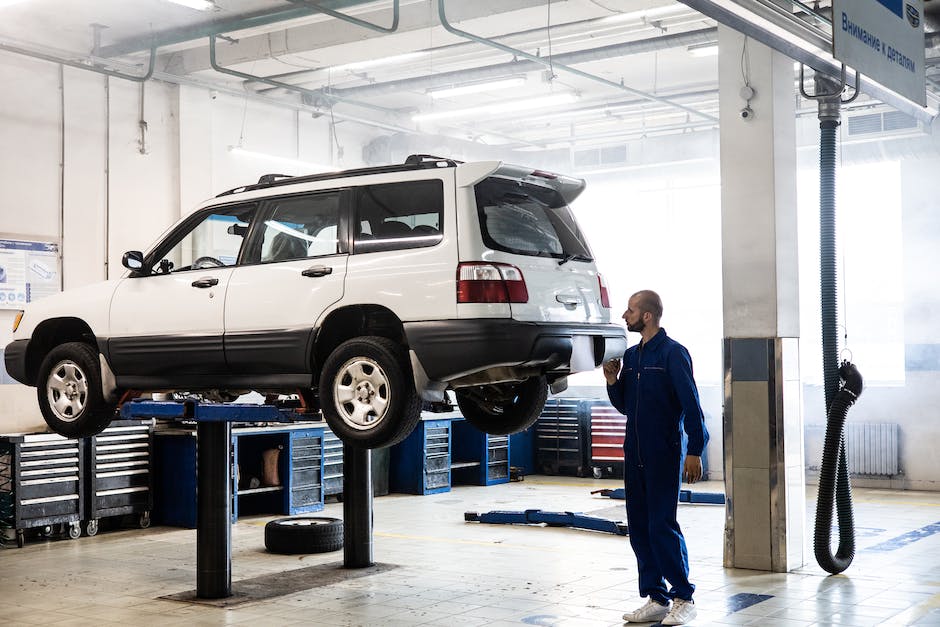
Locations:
(14, 358)
(448, 349)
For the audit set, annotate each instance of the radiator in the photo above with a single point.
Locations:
(872, 448)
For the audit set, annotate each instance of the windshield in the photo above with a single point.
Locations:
(527, 219)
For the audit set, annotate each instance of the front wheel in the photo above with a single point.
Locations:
(503, 408)
(69, 391)
(367, 394)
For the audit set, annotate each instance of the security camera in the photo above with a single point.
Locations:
(747, 113)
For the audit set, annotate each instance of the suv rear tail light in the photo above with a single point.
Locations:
(479, 282)
(605, 295)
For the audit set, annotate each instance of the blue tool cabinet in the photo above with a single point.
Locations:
(420, 464)
(300, 470)
(478, 458)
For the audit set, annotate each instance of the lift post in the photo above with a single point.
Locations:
(216, 477)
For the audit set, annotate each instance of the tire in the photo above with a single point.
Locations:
(367, 393)
(504, 408)
(303, 534)
(69, 391)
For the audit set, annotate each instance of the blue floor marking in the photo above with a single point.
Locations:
(742, 600)
(907, 538)
(543, 620)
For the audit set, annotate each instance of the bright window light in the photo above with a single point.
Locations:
(318, 167)
(476, 88)
(199, 5)
(501, 107)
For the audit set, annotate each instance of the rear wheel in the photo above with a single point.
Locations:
(69, 391)
(367, 394)
(503, 408)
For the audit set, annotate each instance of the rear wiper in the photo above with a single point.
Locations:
(574, 257)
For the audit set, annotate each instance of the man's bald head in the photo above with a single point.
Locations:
(649, 301)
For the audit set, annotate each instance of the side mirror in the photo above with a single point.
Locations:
(133, 260)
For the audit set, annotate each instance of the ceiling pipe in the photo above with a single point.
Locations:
(84, 66)
(578, 29)
(310, 96)
(241, 22)
(550, 63)
(494, 71)
(353, 20)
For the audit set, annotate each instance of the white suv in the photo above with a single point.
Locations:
(366, 292)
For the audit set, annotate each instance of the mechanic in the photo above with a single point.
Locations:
(656, 391)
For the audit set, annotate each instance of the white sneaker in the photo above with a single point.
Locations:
(649, 613)
(682, 612)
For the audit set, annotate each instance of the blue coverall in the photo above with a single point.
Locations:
(657, 393)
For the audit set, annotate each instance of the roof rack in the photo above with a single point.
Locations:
(412, 162)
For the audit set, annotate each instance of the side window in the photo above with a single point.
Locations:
(301, 227)
(393, 216)
(213, 241)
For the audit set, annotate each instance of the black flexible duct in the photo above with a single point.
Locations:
(834, 480)
(834, 483)
(827, 255)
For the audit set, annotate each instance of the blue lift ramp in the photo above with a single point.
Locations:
(685, 496)
(550, 519)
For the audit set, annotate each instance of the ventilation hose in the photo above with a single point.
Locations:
(834, 483)
(834, 486)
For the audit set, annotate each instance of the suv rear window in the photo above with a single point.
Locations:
(526, 219)
(394, 216)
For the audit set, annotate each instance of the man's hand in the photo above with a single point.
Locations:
(693, 468)
(611, 370)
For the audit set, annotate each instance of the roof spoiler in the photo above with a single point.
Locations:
(469, 174)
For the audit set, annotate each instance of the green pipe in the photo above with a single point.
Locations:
(354, 20)
(308, 94)
(83, 66)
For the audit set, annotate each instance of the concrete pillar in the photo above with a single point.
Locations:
(763, 425)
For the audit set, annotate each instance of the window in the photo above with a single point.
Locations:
(399, 215)
(301, 227)
(527, 219)
(214, 241)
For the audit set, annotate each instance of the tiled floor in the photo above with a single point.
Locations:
(453, 573)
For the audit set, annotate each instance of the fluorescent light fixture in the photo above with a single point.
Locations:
(199, 5)
(476, 88)
(646, 15)
(707, 49)
(368, 63)
(501, 107)
(297, 163)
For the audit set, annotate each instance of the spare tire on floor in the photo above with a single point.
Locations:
(303, 534)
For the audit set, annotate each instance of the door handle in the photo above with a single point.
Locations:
(568, 301)
(317, 271)
(205, 282)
